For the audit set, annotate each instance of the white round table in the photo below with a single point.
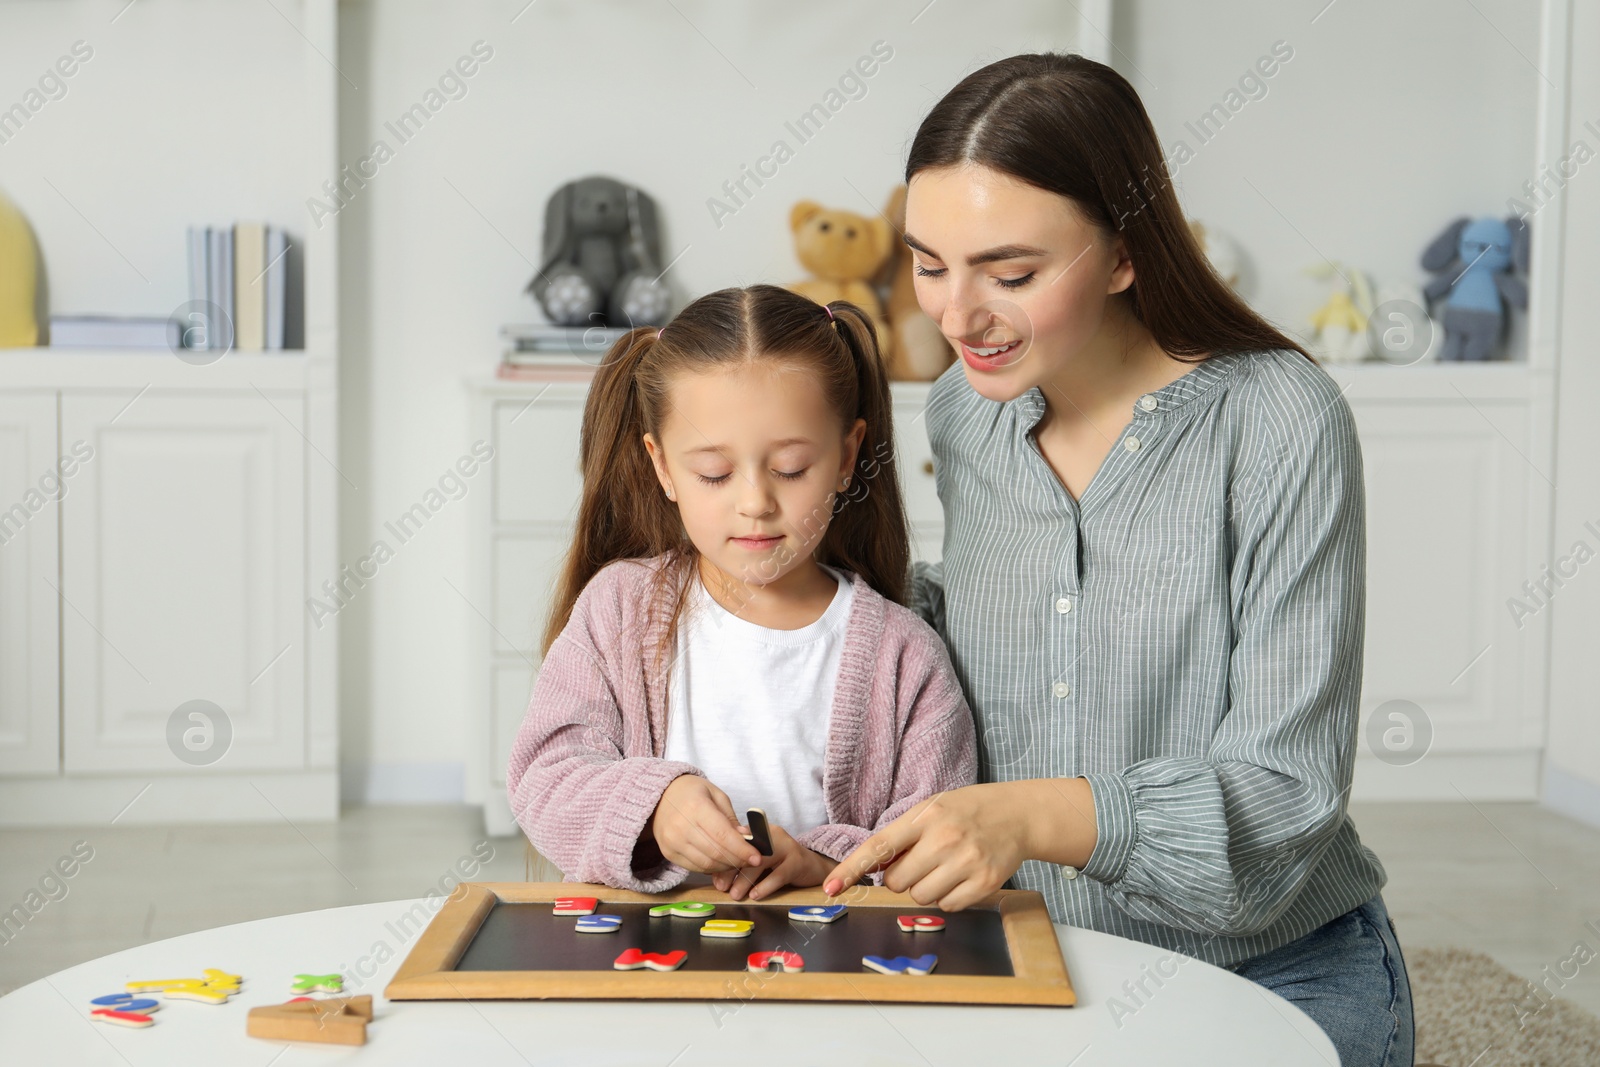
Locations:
(1136, 1005)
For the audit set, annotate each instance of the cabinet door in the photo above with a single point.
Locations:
(30, 483)
(1447, 555)
(183, 579)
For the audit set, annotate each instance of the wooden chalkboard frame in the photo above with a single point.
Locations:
(428, 972)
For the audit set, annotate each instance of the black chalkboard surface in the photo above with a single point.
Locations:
(503, 941)
(527, 937)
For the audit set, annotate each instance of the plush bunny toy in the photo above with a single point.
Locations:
(1471, 257)
(601, 257)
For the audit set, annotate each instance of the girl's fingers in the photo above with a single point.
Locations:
(775, 880)
(721, 840)
(731, 845)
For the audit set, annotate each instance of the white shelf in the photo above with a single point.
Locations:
(122, 368)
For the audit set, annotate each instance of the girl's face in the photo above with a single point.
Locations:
(753, 456)
(1015, 276)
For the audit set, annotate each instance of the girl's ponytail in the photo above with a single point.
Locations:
(623, 513)
(869, 533)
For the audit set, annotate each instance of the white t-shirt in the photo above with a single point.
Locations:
(749, 705)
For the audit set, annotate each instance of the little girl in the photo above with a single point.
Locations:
(728, 632)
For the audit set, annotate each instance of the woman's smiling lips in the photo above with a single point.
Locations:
(991, 357)
(757, 542)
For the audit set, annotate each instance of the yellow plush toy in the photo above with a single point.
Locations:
(843, 251)
(919, 351)
(19, 279)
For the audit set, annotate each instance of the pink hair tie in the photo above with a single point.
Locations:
(829, 310)
(659, 332)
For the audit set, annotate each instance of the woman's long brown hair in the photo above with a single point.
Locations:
(625, 515)
(1072, 126)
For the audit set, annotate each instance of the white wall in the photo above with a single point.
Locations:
(112, 234)
(1572, 763)
(436, 249)
(1389, 121)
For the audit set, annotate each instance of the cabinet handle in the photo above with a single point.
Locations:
(927, 466)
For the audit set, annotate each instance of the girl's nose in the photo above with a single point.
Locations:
(755, 498)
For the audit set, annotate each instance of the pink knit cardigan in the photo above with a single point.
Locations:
(586, 770)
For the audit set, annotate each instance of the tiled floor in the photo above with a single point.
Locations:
(1511, 880)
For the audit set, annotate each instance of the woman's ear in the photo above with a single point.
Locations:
(1122, 266)
(658, 459)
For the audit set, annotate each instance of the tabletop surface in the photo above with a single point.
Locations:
(1137, 1004)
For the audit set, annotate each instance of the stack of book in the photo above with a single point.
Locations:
(243, 295)
(113, 331)
(545, 345)
(242, 273)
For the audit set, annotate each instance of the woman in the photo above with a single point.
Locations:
(1154, 564)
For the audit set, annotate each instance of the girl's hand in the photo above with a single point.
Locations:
(694, 827)
(956, 848)
(791, 863)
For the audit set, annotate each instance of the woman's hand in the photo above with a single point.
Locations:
(956, 848)
(791, 863)
(694, 827)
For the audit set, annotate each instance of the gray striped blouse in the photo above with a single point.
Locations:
(1187, 636)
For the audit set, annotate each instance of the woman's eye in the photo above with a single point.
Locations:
(1016, 283)
(718, 480)
(924, 272)
(791, 475)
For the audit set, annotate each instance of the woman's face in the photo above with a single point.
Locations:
(1015, 276)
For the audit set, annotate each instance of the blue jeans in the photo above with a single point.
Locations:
(1349, 976)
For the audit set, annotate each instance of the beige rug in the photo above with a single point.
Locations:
(1472, 1012)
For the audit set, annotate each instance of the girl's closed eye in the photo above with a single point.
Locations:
(786, 475)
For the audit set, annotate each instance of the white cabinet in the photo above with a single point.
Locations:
(30, 483)
(1457, 467)
(183, 551)
(187, 511)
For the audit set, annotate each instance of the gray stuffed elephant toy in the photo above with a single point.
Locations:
(1482, 263)
(601, 261)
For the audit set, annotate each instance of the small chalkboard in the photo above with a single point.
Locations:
(503, 940)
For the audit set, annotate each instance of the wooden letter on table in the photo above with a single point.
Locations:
(334, 1021)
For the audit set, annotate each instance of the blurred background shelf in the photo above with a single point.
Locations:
(174, 563)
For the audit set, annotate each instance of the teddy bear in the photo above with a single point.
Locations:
(844, 252)
(919, 350)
